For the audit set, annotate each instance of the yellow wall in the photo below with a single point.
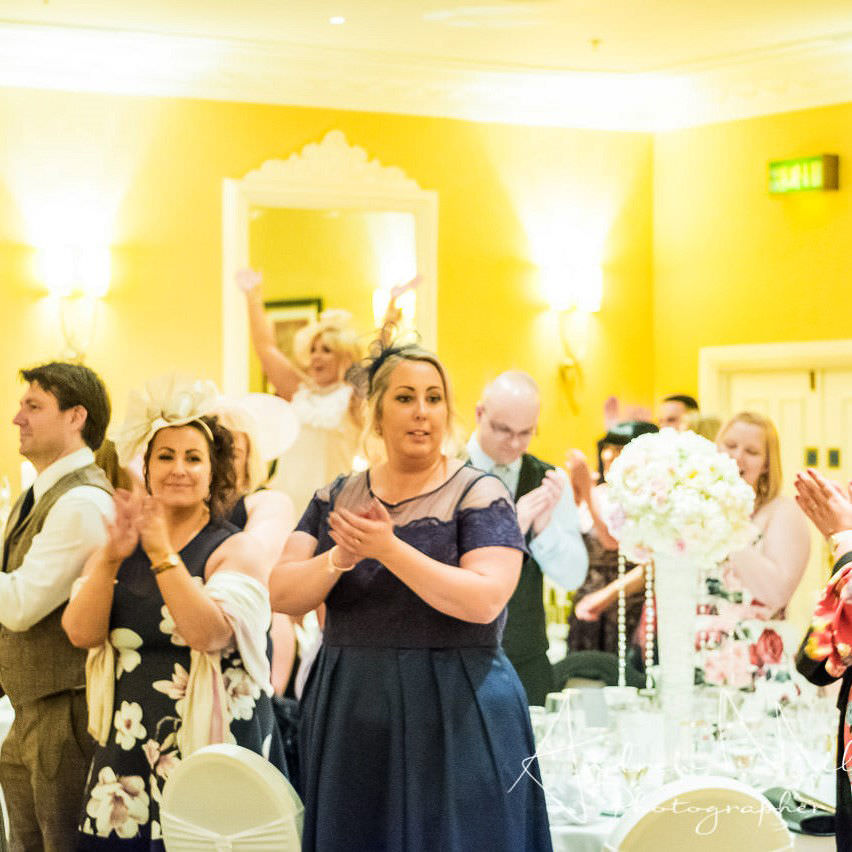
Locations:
(733, 264)
(145, 175)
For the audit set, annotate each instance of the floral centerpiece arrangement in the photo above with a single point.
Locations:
(674, 493)
(678, 506)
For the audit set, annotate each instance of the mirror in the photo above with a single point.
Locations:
(330, 229)
(339, 259)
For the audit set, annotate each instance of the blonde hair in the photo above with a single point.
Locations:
(768, 485)
(236, 419)
(708, 427)
(334, 329)
(380, 381)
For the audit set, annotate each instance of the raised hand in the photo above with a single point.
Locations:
(611, 412)
(247, 279)
(369, 535)
(397, 291)
(824, 502)
(123, 533)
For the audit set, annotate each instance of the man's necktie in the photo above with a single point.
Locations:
(26, 508)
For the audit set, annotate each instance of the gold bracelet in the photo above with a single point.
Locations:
(171, 561)
(332, 568)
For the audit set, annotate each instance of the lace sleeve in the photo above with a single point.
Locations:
(317, 511)
(486, 517)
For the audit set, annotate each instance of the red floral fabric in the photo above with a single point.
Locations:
(830, 640)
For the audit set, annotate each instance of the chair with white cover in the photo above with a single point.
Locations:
(701, 812)
(229, 799)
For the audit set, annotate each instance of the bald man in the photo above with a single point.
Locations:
(506, 418)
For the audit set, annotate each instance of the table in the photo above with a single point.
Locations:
(591, 838)
(582, 764)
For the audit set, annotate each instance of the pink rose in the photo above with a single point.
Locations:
(730, 665)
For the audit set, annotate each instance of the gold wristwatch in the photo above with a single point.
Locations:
(171, 560)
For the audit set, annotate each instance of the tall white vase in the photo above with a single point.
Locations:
(676, 591)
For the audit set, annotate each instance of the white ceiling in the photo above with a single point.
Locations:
(627, 64)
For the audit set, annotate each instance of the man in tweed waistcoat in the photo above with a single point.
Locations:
(51, 531)
(506, 420)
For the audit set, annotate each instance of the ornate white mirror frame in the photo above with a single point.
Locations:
(329, 175)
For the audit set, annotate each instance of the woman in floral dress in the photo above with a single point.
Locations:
(176, 610)
(741, 646)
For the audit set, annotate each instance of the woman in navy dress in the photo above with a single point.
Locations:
(415, 729)
(173, 585)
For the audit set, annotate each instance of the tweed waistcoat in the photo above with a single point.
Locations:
(41, 661)
(525, 635)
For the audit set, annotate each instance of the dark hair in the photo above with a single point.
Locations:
(74, 384)
(621, 435)
(690, 402)
(223, 477)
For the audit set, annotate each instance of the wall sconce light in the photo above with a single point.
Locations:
(573, 291)
(77, 277)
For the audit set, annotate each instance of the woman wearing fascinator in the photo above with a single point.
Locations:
(315, 383)
(415, 729)
(174, 610)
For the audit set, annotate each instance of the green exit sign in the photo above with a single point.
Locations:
(804, 173)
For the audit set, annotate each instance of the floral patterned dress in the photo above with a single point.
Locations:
(121, 805)
(824, 656)
(739, 641)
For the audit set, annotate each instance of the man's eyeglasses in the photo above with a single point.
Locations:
(507, 434)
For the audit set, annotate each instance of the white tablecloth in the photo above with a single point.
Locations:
(591, 838)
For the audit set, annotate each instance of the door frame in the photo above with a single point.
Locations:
(716, 363)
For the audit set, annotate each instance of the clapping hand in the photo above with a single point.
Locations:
(368, 535)
(123, 532)
(248, 279)
(153, 530)
(581, 477)
(824, 502)
(536, 507)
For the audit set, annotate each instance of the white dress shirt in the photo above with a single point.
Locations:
(558, 548)
(72, 530)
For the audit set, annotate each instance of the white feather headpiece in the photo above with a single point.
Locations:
(170, 400)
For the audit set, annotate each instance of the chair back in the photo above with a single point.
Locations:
(701, 813)
(229, 799)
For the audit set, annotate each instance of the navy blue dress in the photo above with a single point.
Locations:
(121, 805)
(415, 728)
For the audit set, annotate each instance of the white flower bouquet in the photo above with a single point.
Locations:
(674, 494)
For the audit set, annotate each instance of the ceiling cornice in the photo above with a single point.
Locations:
(759, 82)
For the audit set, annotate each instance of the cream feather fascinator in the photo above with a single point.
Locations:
(169, 400)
